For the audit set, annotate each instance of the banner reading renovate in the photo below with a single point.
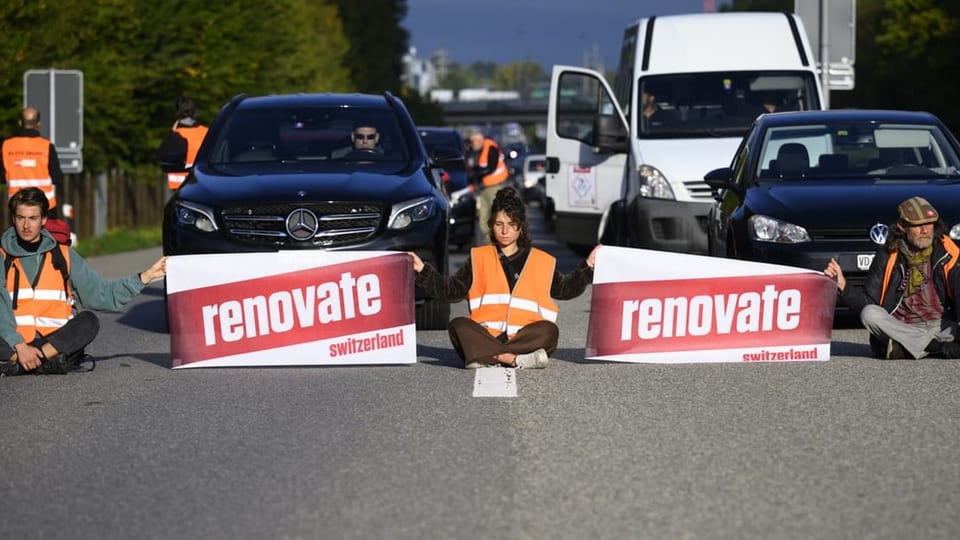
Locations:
(660, 307)
(291, 308)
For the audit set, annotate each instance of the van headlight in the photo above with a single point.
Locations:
(768, 229)
(404, 214)
(653, 185)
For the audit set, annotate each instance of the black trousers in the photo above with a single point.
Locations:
(474, 343)
(69, 338)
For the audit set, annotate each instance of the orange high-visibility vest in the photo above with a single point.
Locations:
(46, 306)
(27, 163)
(948, 245)
(194, 136)
(493, 305)
(500, 173)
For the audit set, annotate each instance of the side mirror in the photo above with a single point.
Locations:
(174, 162)
(720, 179)
(449, 158)
(609, 135)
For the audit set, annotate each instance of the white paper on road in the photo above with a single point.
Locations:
(495, 382)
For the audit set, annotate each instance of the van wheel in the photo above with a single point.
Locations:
(433, 315)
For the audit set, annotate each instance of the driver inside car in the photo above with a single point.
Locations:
(366, 140)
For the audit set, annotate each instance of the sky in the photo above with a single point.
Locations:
(545, 31)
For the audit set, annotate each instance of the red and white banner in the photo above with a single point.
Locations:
(660, 307)
(291, 308)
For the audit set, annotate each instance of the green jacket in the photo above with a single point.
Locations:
(89, 289)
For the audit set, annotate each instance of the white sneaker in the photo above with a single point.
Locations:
(537, 359)
(477, 365)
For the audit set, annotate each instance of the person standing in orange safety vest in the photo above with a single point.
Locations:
(185, 137)
(30, 160)
(489, 174)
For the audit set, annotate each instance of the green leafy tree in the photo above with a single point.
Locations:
(138, 56)
(484, 73)
(905, 49)
(520, 76)
(377, 42)
(458, 77)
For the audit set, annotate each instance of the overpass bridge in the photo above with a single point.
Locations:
(521, 111)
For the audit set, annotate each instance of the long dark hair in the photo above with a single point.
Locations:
(509, 202)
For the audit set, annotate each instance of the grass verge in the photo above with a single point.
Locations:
(119, 241)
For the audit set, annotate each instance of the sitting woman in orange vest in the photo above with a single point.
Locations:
(510, 287)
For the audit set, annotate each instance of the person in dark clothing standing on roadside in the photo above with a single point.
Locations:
(909, 300)
(29, 159)
(510, 287)
(185, 137)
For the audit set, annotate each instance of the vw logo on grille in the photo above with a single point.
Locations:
(302, 224)
(878, 233)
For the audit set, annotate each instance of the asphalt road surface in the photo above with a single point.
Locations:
(850, 448)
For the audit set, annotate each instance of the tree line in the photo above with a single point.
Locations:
(904, 51)
(137, 56)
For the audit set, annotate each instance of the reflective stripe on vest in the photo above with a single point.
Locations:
(500, 173)
(490, 301)
(26, 161)
(43, 308)
(194, 137)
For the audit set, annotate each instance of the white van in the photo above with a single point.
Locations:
(618, 177)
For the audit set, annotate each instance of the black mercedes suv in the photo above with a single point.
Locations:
(286, 172)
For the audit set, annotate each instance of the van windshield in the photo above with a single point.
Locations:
(720, 104)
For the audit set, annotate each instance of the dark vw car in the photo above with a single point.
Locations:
(283, 172)
(463, 202)
(807, 186)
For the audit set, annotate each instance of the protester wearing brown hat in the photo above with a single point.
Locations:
(909, 301)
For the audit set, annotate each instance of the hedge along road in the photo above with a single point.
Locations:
(853, 447)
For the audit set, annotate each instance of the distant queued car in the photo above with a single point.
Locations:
(514, 154)
(534, 178)
(281, 172)
(807, 186)
(460, 194)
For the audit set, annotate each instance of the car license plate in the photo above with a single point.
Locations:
(863, 261)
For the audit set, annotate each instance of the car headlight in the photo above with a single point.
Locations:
(457, 195)
(653, 185)
(768, 229)
(195, 216)
(404, 214)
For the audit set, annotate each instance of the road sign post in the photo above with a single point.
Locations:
(58, 95)
(831, 29)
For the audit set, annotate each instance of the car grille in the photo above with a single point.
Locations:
(699, 190)
(859, 234)
(336, 224)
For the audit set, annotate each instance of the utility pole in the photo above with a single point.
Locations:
(825, 51)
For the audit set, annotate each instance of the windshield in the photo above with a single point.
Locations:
(839, 149)
(338, 136)
(720, 103)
